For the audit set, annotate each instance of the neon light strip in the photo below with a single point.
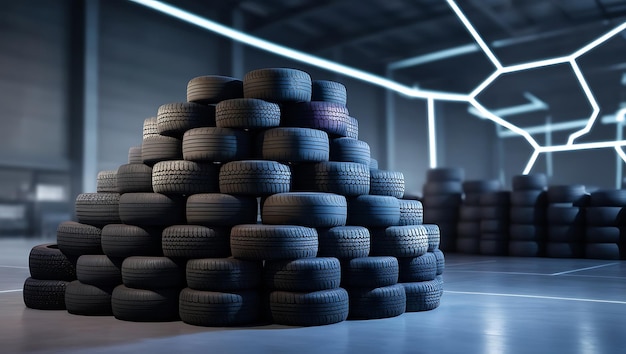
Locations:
(531, 162)
(432, 142)
(620, 115)
(605, 37)
(489, 115)
(535, 64)
(621, 152)
(592, 101)
(583, 146)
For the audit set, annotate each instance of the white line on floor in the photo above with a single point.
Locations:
(581, 269)
(537, 297)
(10, 291)
(468, 263)
(493, 272)
(17, 267)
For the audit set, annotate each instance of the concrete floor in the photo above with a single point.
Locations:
(490, 305)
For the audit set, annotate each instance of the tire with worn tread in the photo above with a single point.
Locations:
(99, 270)
(219, 309)
(369, 272)
(174, 119)
(302, 275)
(328, 91)
(134, 155)
(327, 116)
(122, 241)
(185, 177)
(223, 274)
(142, 305)
(350, 150)
(316, 308)
(211, 89)
(383, 302)
(140, 272)
(158, 148)
(217, 209)
(295, 145)
(373, 211)
(87, 300)
(134, 178)
(344, 178)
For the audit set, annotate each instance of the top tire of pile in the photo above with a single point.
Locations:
(305, 209)
(530, 182)
(481, 186)
(254, 177)
(213, 89)
(329, 91)
(247, 113)
(442, 174)
(565, 193)
(608, 197)
(327, 116)
(174, 119)
(150, 127)
(278, 85)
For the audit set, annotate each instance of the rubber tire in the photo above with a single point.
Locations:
(565, 233)
(373, 211)
(134, 155)
(99, 270)
(416, 269)
(254, 178)
(98, 209)
(211, 89)
(75, 239)
(604, 216)
(327, 116)
(158, 148)
(532, 182)
(529, 198)
(302, 275)
(423, 296)
(383, 302)
(353, 128)
(565, 215)
(194, 241)
(278, 85)
(223, 274)
(492, 247)
(350, 150)
(152, 273)
(481, 186)
(344, 178)
(448, 200)
(344, 242)
(399, 241)
(369, 272)
(184, 177)
(106, 182)
(470, 213)
(495, 199)
(373, 164)
(494, 226)
(441, 261)
(494, 213)
(87, 300)
(212, 144)
(328, 91)
(565, 193)
(441, 216)
(219, 309)
(44, 294)
(467, 245)
(174, 119)
(309, 309)
(524, 249)
(468, 229)
(151, 209)
(527, 215)
(441, 174)
(47, 262)
(216, 209)
(305, 209)
(602, 251)
(141, 305)
(563, 250)
(527, 232)
(122, 241)
(390, 183)
(411, 212)
(247, 113)
(608, 198)
(603, 234)
(150, 128)
(134, 178)
(295, 145)
(273, 242)
(442, 187)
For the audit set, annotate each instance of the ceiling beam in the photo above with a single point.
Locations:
(291, 15)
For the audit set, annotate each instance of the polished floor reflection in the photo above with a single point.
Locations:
(490, 305)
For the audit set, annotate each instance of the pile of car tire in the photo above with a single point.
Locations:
(470, 215)
(442, 197)
(604, 216)
(528, 216)
(566, 221)
(254, 201)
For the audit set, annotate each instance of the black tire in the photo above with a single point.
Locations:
(193, 241)
(254, 177)
(350, 150)
(604, 216)
(344, 242)
(494, 226)
(223, 274)
(566, 193)
(99, 270)
(411, 212)
(150, 127)
(467, 245)
(343, 178)
(494, 213)
(493, 247)
(472, 199)
(327, 116)
(278, 85)
(422, 268)
(468, 229)
(106, 182)
(399, 241)
(302, 275)
(390, 183)
(441, 261)
(383, 302)
(496, 199)
(481, 186)
(602, 251)
(564, 215)
(373, 211)
(87, 300)
(433, 233)
(295, 145)
(306, 209)
(122, 241)
(369, 272)
(213, 89)
(46, 262)
(247, 113)
(212, 144)
(442, 187)
(527, 215)
(529, 198)
(185, 177)
(44, 294)
(563, 250)
(134, 178)
(134, 155)
(524, 249)
(98, 209)
(75, 239)
(448, 200)
(423, 296)
(141, 305)
(141, 272)
(328, 91)
(534, 182)
(309, 309)
(603, 234)
(273, 242)
(608, 197)
(353, 128)
(216, 209)
(174, 119)
(528, 233)
(151, 209)
(470, 213)
(219, 309)
(565, 233)
(442, 174)
(158, 148)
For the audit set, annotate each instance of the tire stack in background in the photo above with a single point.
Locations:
(175, 233)
(442, 197)
(468, 230)
(604, 216)
(566, 221)
(494, 223)
(528, 216)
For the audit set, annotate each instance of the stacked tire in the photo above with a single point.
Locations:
(175, 233)
(468, 230)
(566, 221)
(494, 223)
(442, 196)
(50, 273)
(604, 216)
(528, 216)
